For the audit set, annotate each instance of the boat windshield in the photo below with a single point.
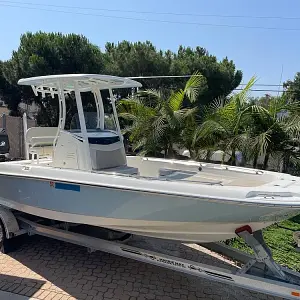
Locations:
(91, 122)
(95, 119)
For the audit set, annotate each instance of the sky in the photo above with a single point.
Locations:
(270, 54)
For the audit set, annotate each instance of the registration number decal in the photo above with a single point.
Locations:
(65, 186)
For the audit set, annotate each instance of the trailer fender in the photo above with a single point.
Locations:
(9, 222)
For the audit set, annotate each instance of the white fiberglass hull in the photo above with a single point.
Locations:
(171, 210)
(183, 231)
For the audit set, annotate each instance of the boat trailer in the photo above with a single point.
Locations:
(259, 273)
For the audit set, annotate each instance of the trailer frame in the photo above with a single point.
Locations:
(260, 273)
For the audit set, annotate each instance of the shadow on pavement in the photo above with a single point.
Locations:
(19, 285)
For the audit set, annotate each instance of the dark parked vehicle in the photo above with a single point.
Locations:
(4, 145)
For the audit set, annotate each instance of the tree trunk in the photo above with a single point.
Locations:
(223, 157)
(266, 160)
(233, 159)
(170, 151)
(255, 161)
(192, 155)
(166, 151)
(208, 155)
(285, 167)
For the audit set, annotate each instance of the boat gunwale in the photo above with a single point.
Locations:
(285, 201)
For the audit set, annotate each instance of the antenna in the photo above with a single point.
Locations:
(280, 80)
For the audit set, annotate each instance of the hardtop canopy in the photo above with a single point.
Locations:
(85, 82)
(77, 83)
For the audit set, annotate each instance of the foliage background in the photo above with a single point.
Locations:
(55, 53)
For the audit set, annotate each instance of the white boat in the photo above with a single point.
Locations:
(78, 172)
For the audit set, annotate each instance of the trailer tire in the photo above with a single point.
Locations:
(4, 242)
(2, 237)
(8, 245)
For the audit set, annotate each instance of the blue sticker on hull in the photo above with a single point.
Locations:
(67, 186)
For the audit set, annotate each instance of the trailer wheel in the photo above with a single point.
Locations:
(8, 245)
(2, 238)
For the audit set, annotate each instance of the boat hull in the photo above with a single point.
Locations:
(144, 213)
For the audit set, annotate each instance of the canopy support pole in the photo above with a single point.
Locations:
(24, 132)
(62, 113)
(113, 104)
(100, 109)
(88, 165)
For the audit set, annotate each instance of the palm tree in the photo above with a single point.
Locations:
(275, 131)
(225, 122)
(157, 118)
(256, 130)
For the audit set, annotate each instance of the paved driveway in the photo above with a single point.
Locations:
(49, 269)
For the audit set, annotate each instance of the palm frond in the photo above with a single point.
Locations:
(238, 142)
(176, 99)
(135, 107)
(193, 85)
(214, 106)
(256, 109)
(292, 126)
(182, 114)
(127, 129)
(149, 94)
(261, 142)
(140, 144)
(247, 114)
(210, 128)
(127, 116)
(129, 105)
(293, 107)
(280, 106)
(159, 127)
(276, 105)
(242, 97)
(295, 160)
